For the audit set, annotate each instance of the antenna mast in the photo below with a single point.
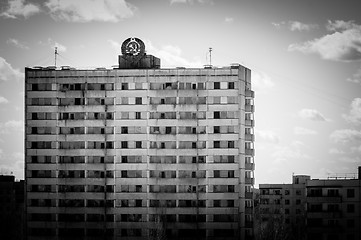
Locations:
(210, 56)
(55, 53)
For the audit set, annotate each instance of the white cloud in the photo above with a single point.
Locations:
(90, 10)
(345, 135)
(115, 45)
(15, 166)
(261, 82)
(7, 72)
(356, 77)
(52, 44)
(312, 114)
(355, 112)
(171, 56)
(17, 8)
(295, 26)
(3, 100)
(267, 136)
(342, 44)
(336, 151)
(303, 131)
(288, 153)
(298, 26)
(191, 1)
(16, 43)
(229, 20)
(11, 126)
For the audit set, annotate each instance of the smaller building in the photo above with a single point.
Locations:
(281, 209)
(311, 209)
(11, 207)
(334, 209)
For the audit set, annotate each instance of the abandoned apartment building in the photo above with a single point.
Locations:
(138, 151)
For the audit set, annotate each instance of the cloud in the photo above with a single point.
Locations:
(342, 44)
(287, 153)
(312, 114)
(261, 82)
(7, 72)
(267, 136)
(15, 166)
(90, 10)
(295, 26)
(355, 112)
(115, 45)
(336, 151)
(171, 56)
(345, 135)
(191, 1)
(52, 44)
(16, 43)
(11, 127)
(17, 8)
(298, 26)
(356, 77)
(229, 20)
(3, 100)
(303, 131)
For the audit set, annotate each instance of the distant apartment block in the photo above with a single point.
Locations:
(311, 209)
(139, 152)
(11, 208)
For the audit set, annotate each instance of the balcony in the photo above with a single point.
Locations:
(250, 166)
(249, 123)
(249, 108)
(249, 181)
(249, 195)
(249, 93)
(249, 137)
(249, 152)
(324, 199)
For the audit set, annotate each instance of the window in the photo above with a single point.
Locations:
(230, 144)
(124, 130)
(230, 85)
(138, 115)
(350, 208)
(217, 85)
(216, 115)
(124, 86)
(138, 144)
(216, 129)
(138, 100)
(168, 130)
(350, 193)
(216, 144)
(124, 144)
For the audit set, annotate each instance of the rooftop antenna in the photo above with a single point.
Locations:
(55, 53)
(210, 56)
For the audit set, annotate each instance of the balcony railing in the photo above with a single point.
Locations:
(249, 108)
(250, 166)
(249, 93)
(249, 123)
(249, 152)
(249, 181)
(249, 137)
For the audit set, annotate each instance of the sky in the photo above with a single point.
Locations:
(305, 58)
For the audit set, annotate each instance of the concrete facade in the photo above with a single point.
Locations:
(139, 153)
(282, 206)
(312, 209)
(334, 209)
